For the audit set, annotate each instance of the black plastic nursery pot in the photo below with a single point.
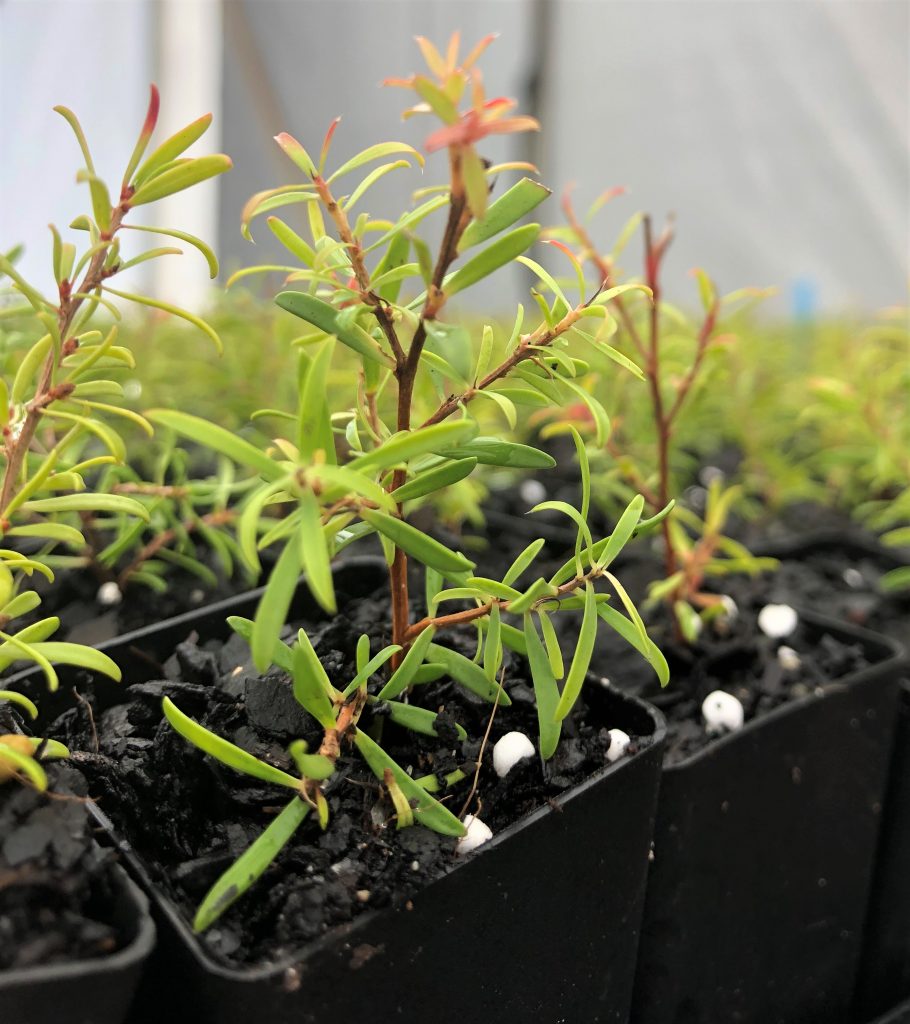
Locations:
(539, 925)
(764, 850)
(95, 991)
(899, 1015)
(884, 978)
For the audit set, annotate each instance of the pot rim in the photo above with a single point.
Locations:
(893, 658)
(135, 951)
(254, 973)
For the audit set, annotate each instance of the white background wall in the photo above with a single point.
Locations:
(776, 130)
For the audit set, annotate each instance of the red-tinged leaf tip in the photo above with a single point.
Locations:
(560, 245)
(327, 141)
(479, 49)
(400, 83)
(151, 117)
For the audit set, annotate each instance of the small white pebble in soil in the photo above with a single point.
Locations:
(476, 835)
(109, 594)
(362, 895)
(709, 474)
(777, 620)
(605, 682)
(853, 578)
(415, 865)
(696, 498)
(197, 596)
(788, 659)
(619, 744)
(532, 492)
(722, 712)
(509, 750)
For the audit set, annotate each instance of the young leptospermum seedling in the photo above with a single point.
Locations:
(372, 289)
(694, 548)
(60, 388)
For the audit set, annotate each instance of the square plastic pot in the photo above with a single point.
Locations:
(95, 991)
(764, 850)
(540, 925)
(884, 977)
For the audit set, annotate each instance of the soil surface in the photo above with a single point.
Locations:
(736, 657)
(190, 817)
(57, 898)
(73, 597)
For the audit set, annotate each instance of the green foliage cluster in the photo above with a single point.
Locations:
(59, 400)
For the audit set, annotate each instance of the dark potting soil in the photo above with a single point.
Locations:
(73, 597)
(189, 817)
(57, 898)
(735, 656)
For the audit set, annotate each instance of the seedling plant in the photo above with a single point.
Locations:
(337, 474)
(58, 401)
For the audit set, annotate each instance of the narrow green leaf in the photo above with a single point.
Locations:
(429, 812)
(52, 531)
(377, 152)
(523, 561)
(314, 553)
(32, 361)
(282, 655)
(581, 659)
(181, 177)
(117, 503)
(370, 668)
(489, 260)
(491, 451)
(21, 700)
(222, 750)
(272, 611)
(183, 236)
(492, 651)
(250, 865)
(328, 319)
(21, 604)
(554, 652)
(61, 653)
(629, 632)
(297, 153)
(406, 672)
(411, 540)
(311, 766)
(314, 427)
(468, 674)
(432, 481)
(24, 764)
(312, 687)
(289, 238)
(420, 720)
(546, 692)
(166, 307)
(172, 148)
(408, 444)
(218, 439)
(511, 206)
